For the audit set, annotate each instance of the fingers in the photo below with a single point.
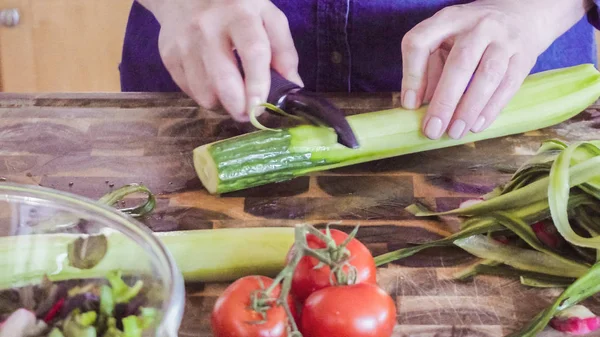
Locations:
(434, 72)
(178, 75)
(486, 80)
(518, 69)
(284, 58)
(460, 66)
(252, 44)
(197, 43)
(197, 84)
(417, 45)
(223, 74)
(189, 76)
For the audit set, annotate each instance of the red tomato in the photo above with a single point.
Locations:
(307, 280)
(233, 317)
(359, 310)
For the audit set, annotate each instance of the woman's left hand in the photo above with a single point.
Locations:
(489, 46)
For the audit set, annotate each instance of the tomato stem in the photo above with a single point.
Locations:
(334, 256)
(323, 237)
(284, 278)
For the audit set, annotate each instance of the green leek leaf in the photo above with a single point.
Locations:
(523, 259)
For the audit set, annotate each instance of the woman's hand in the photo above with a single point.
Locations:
(489, 46)
(196, 43)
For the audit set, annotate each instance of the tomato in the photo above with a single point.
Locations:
(232, 315)
(307, 280)
(359, 310)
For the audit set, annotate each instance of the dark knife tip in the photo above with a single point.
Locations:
(348, 141)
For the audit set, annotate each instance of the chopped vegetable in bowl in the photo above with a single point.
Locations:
(89, 308)
(77, 268)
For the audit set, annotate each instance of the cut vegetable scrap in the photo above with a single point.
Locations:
(522, 259)
(551, 205)
(547, 233)
(21, 323)
(576, 320)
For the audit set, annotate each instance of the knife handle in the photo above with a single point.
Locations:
(279, 88)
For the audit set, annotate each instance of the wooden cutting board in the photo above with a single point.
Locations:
(89, 143)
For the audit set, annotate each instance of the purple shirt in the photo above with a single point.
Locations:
(343, 45)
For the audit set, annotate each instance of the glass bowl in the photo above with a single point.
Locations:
(52, 242)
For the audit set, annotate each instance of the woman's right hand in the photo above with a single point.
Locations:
(196, 44)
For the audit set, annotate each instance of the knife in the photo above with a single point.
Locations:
(295, 100)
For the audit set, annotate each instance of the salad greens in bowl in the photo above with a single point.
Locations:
(75, 267)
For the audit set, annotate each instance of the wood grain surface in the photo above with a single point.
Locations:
(89, 143)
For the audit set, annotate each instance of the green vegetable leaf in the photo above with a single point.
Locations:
(544, 283)
(523, 259)
(77, 325)
(112, 330)
(489, 267)
(480, 226)
(121, 292)
(474, 269)
(107, 303)
(134, 325)
(86, 319)
(562, 178)
(148, 316)
(56, 333)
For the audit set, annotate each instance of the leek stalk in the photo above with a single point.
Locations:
(265, 156)
(202, 255)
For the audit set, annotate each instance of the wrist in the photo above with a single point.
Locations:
(563, 14)
(554, 18)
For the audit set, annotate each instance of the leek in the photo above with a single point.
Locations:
(265, 156)
(201, 255)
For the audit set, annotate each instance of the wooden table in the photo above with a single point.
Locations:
(89, 143)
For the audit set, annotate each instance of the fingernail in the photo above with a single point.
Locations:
(433, 129)
(478, 124)
(254, 104)
(457, 128)
(410, 99)
(296, 78)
